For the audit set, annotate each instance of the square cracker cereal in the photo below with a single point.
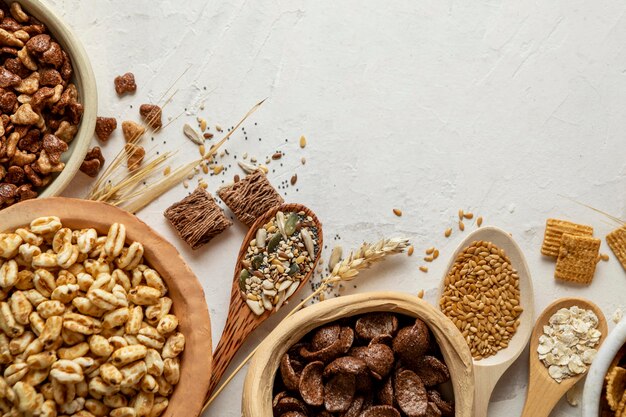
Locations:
(554, 231)
(577, 258)
(617, 242)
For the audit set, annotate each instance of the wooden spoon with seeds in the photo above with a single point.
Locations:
(241, 320)
(488, 371)
(543, 392)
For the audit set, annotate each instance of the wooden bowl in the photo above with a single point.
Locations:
(85, 82)
(184, 289)
(258, 385)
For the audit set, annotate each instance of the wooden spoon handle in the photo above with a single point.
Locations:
(241, 321)
(485, 382)
(541, 397)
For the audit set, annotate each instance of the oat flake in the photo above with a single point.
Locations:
(567, 345)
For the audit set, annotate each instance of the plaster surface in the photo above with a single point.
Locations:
(500, 107)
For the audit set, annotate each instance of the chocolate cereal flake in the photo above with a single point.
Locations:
(104, 127)
(250, 197)
(125, 84)
(93, 162)
(197, 218)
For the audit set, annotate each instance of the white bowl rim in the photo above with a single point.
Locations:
(84, 78)
(595, 377)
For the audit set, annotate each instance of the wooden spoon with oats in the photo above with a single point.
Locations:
(488, 370)
(543, 391)
(242, 320)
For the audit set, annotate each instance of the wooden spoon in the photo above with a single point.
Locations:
(241, 321)
(543, 392)
(488, 371)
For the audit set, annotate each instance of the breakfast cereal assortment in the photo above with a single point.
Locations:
(375, 364)
(87, 326)
(39, 105)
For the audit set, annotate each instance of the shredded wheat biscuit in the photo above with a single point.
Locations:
(577, 258)
(617, 242)
(555, 229)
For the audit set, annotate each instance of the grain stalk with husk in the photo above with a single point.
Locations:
(126, 191)
(346, 270)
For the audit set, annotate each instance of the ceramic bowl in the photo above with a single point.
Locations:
(85, 83)
(189, 304)
(258, 385)
(595, 377)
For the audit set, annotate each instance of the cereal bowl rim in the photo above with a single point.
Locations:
(184, 288)
(257, 392)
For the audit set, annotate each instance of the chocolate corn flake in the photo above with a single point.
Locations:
(197, 218)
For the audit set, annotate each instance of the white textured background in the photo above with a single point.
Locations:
(496, 106)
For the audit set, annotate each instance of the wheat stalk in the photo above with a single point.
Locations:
(346, 270)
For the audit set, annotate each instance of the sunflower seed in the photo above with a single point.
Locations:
(308, 242)
(261, 236)
(255, 307)
(192, 135)
(247, 168)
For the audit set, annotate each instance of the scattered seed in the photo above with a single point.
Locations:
(219, 128)
(479, 221)
(303, 160)
(604, 257)
(203, 185)
(436, 254)
(268, 160)
(167, 170)
(208, 135)
(202, 124)
(277, 155)
(397, 212)
(420, 294)
(236, 178)
(247, 168)
(468, 215)
(264, 168)
(201, 150)
(461, 225)
(186, 184)
(448, 232)
(302, 141)
(192, 135)
(245, 155)
(460, 214)
(410, 250)
(424, 268)
(294, 179)
(430, 250)
(253, 160)
(428, 258)
(217, 169)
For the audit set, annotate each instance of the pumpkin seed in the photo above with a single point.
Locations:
(272, 245)
(293, 269)
(243, 276)
(257, 261)
(291, 223)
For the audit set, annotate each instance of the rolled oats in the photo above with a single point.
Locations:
(567, 345)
